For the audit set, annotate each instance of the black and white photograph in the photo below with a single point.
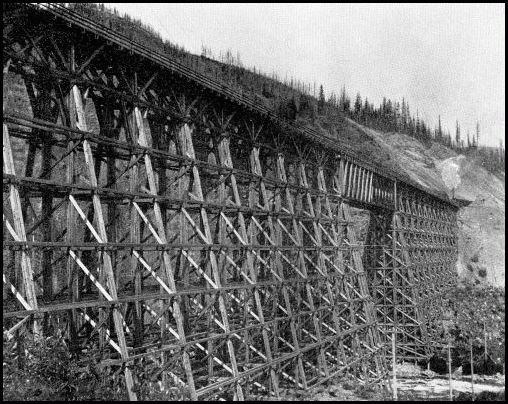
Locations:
(253, 202)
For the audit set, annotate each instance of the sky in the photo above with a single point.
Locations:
(444, 59)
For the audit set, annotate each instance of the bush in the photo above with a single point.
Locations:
(483, 396)
(473, 308)
(438, 365)
(365, 391)
(482, 367)
(51, 372)
(348, 385)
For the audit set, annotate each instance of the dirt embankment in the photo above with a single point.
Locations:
(481, 224)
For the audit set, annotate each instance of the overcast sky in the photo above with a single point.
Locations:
(446, 59)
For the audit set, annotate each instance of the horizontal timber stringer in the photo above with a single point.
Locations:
(176, 223)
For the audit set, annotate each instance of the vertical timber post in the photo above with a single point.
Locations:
(450, 371)
(166, 260)
(185, 136)
(107, 265)
(70, 236)
(279, 156)
(226, 161)
(394, 364)
(19, 228)
(472, 367)
(47, 201)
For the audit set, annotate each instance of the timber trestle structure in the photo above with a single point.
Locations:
(169, 220)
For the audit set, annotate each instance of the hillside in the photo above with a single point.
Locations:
(291, 99)
(481, 224)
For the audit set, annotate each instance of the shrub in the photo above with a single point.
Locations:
(473, 309)
(365, 391)
(348, 385)
(438, 365)
(482, 396)
(51, 372)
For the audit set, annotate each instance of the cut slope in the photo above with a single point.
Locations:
(411, 157)
(481, 224)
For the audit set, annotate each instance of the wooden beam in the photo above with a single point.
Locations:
(188, 149)
(19, 228)
(107, 265)
(168, 271)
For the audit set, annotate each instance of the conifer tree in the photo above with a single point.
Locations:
(366, 111)
(396, 116)
(412, 126)
(439, 130)
(423, 130)
(332, 100)
(321, 100)
(383, 107)
(358, 105)
(404, 115)
(344, 100)
(389, 115)
(292, 109)
(408, 118)
(457, 134)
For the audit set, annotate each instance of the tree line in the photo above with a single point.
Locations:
(295, 99)
(396, 117)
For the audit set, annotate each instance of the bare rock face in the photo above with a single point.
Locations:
(481, 223)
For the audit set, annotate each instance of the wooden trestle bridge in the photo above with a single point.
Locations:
(166, 218)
